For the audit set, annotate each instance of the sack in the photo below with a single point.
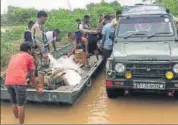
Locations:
(53, 79)
(79, 54)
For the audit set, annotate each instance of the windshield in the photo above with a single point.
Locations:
(145, 26)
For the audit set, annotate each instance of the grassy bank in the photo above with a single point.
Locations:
(11, 40)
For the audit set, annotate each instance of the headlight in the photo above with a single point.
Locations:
(169, 75)
(175, 68)
(119, 67)
(128, 75)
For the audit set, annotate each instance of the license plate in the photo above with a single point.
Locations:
(142, 85)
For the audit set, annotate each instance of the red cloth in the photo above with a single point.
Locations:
(18, 68)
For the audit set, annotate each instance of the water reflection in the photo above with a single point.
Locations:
(94, 107)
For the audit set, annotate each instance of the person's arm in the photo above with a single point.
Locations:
(86, 43)
(31, 67)
(103, 36)
(33, 78)
(37, 39)
(75, 46)
(33, 30)
(86, 30)
(54, 40)
(73, 49)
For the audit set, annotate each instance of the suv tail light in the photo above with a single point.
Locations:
(109, 83)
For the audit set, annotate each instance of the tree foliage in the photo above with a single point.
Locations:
(19, 16)
(61, 18)
(172, 5)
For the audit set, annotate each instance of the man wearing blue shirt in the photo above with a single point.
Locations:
(107, 42)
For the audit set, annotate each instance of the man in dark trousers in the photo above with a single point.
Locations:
(27, 33)
(78, 21)
(90, 34)
(107, 42)
(19, 66)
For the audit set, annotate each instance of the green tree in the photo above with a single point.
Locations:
(172, 5)
(16, 15)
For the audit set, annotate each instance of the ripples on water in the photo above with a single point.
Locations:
(94, 107)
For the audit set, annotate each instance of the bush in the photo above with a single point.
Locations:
(61, 18)
(10, 41)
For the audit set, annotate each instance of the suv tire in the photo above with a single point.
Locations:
(176, 94)
(111, 93)
(120, 92)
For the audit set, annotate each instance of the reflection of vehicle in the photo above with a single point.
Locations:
(63, 94)
(145, 53)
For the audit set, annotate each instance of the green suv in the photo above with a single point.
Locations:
(145, 53)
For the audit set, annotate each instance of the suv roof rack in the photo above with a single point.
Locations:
(144, 9)
(139, 4)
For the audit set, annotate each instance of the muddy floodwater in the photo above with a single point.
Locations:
(94, 107)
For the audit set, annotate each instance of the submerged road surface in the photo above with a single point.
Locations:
(94, 107)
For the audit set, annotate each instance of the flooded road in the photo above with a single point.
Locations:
(94, 107)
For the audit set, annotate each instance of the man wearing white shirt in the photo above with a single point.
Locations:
(51, 37)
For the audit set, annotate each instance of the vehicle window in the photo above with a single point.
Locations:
(148, 25)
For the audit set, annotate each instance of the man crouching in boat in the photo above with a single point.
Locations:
(79, 42)
(19, 66)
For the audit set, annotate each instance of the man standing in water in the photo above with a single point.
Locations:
(107, 42)
(19, 66)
